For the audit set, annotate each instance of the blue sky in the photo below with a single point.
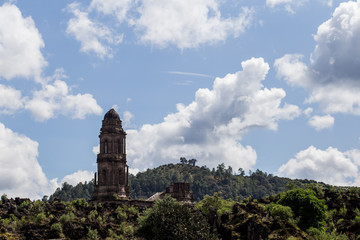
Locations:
(270, 85)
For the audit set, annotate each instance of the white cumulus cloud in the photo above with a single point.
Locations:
(308, 111)
(77, 177)
(211, 127)
(118, 8)
(56, 98)
(162, 23)
(93, 36)
(127, 118)
(321, 122)
(289, 5)
(187, 23)
(96, 149)
(21, 174)
(20, 45)
(333, 76)
(20, 56)
(10, 99)
(330, 166)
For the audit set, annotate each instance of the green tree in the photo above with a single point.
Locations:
(241, 172)
(192, 162)
(306, 206)
(183, 160)
(215, 202)
(169, 219)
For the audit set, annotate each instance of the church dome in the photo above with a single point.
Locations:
(112, 114)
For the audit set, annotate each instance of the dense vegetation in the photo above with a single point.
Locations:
(336, 215)
(228, 206)
(70, 193)
(71, 220)
(202, 181)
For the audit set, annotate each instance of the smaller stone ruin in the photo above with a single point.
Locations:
(179, 191)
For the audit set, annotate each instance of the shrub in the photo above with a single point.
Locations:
(342, 211)
(25, 204)
(357, 212)
(80, 203)
(331, 214)
(67, 217)
(69, 207)
(317, 234)
(92, 215)
(4, 198)
(354, 191)
(129, 231)
(92, 234)
(40, 218)
(21, 222)
(215, 202)
(357, 221)
(99, 220)
(120, 214)
(340, 221)
(169, 219)
(37, 207)
(132, 211)
(56, 230)
(10, 222)
(306, 206)
(113, 236)
(283, 212)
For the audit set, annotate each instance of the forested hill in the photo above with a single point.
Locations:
(203, 181)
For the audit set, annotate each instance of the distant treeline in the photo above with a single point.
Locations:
(203, 181)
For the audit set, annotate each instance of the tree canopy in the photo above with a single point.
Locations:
(171, 220)
(306, 206)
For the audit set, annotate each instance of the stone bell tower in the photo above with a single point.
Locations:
(112, 179)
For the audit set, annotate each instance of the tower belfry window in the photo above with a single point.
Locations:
(106, 146)
(104, 177)
(116, 145)
(123, 146)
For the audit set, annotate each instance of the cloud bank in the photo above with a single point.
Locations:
(330, 166)
(20, 45)
(333, 80)
(21, 57)
(93, 36)
(188, 23)
(211, 127)
(161, 23)
(54, 99)
(333, 75)
(20, 173)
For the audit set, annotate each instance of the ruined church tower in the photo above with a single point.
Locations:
(112, 179)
